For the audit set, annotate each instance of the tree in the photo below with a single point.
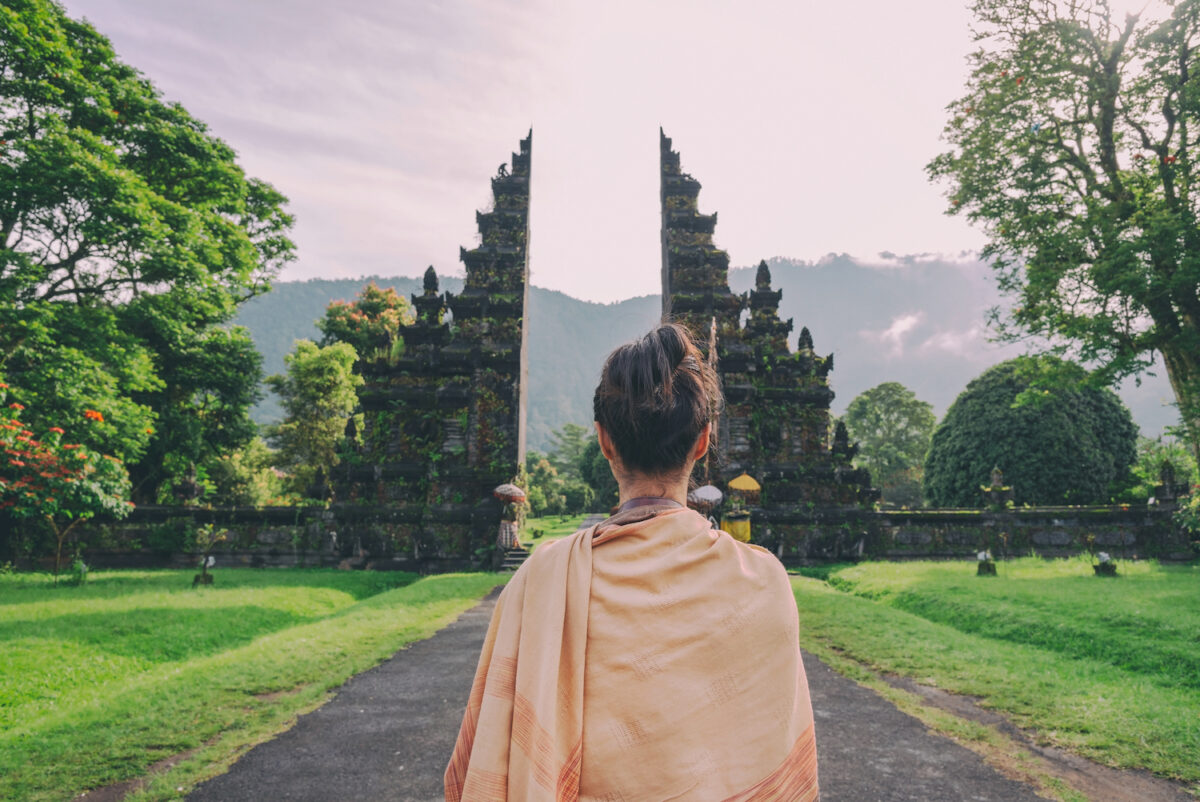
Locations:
(210, 379)
(128, 233)
(549, 492)
(61, 484)
(597, 474)
(1147, 470)
(245, 477)
(319, 394)
(567, 446)
(1072, 149)
(371, 322)
(544, 486)
(893, 429)
(1070, 446)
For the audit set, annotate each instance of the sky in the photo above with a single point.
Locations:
(808, 123)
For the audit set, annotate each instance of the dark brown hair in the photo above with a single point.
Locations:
(655, 396)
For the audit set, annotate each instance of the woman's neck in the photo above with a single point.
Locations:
(654, 487)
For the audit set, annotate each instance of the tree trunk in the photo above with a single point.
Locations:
(58, 536)
(1183, 371)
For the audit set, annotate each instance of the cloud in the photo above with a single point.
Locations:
(890, 259)
(968, 342)
(893, 336)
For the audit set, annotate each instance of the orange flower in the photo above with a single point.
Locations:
(92, 414)
(16, 406)
(3, 386)
(149, 431)
(56, 430)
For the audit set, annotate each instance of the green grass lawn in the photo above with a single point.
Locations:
(1107, 667)
(549, 527)
(101, 681)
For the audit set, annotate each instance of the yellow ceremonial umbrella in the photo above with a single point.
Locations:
(744, 482)
(746, 487)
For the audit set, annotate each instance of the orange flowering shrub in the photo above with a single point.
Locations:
(60, 483)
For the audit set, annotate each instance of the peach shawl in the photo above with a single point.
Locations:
(649, 657)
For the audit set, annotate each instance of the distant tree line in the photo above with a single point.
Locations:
(1067, 444)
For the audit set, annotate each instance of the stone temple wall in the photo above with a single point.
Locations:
(375, 538)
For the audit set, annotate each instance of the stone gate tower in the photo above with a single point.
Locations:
(777, 424)
(444, 422)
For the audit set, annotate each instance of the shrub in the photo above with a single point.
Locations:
(1061, 446)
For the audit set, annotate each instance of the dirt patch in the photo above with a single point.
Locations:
(1091, 779)
(118, 791)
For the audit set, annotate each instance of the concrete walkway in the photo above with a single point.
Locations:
(388, 733)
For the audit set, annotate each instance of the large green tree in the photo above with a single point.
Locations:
(893, 428)
(319, 394)
(128, 233)
(1072, 148)
(1070, 446)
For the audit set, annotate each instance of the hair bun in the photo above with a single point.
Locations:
(655, 397)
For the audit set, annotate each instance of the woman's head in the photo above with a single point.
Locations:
(655, 398)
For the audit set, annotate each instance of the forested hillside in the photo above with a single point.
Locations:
(569, 339)
(918, 322)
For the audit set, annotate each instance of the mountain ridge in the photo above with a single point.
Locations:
(918, 320)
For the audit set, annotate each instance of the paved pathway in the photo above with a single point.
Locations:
(389, 731)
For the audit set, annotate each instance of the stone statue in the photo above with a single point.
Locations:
(431, 281)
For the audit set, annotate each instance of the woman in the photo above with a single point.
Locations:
(649, 657)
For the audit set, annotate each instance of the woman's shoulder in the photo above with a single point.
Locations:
(759, 561)
(555, 549)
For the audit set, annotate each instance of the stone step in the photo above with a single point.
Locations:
(513, 559)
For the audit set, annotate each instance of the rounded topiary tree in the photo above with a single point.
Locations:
(1065, 446)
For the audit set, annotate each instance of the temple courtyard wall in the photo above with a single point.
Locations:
(388, 538)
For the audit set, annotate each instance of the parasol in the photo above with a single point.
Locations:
(705, 498)
(509, 493)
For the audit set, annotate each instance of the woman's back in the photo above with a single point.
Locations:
(650, 657)
(693, 687)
